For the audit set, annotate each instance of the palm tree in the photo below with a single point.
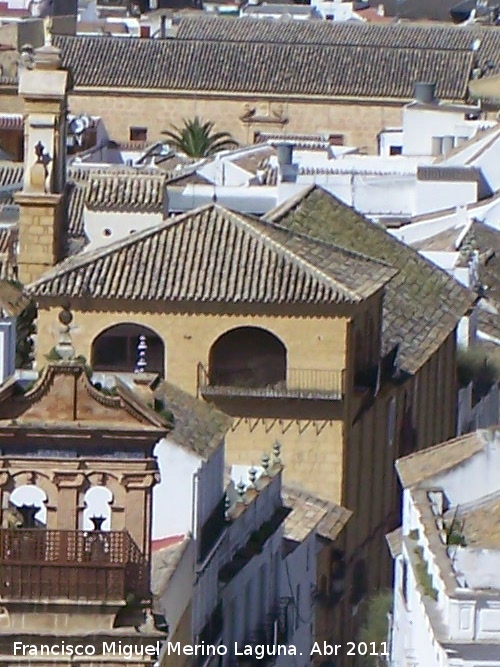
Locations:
(197, 139)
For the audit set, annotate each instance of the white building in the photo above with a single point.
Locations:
(447, 554)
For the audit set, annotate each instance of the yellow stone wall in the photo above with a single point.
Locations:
(359, 123)
(312, 342)
(39, 238)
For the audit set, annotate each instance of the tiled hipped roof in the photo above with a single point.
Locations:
(422, 303)
(213, 255)
(264, 67)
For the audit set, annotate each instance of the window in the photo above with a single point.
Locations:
(391, 421)
(336, 139)
(404, 583)
(138, 134)
(395, 150)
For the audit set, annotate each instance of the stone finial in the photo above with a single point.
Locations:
(38, 172)
(265, 462)
(241, 488)
(64, 347)
(47, 57)
(227, 502)
(252, 475)
(277, 453)
(141, 363)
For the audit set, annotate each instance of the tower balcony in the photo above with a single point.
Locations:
(303, 384)
(39, 564)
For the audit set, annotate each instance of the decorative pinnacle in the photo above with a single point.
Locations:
(141, 363)
(277, 453)
(265, 462)
(240, 487)
(252, 475)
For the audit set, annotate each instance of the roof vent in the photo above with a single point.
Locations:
(425, 92)
(284, 151)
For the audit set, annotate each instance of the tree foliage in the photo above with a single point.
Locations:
(375, 628)
(197, 138)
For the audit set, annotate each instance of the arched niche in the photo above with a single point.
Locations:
(247, 357)
(30, 501)
(117, 349)
(97, 503)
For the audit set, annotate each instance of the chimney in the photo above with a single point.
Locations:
(288, 170)
(425, 92)
(163, 27)
(43, 87)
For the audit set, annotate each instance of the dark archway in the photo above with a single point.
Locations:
(116, 349)
(247, 357)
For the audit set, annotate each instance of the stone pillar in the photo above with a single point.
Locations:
(44, 92)
(137, 517)
(69, 485)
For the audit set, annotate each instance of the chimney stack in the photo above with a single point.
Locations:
(425, 92)
(288, 170)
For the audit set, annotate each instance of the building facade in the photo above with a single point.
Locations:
(445, 554)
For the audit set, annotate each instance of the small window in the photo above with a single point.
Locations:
(404, 583)
(138, 134)
(395, 150)
(106, 232)
(336, 139)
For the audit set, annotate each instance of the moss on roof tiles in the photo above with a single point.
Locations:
(198, 426)
(422, 304)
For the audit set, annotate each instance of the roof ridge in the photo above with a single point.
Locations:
(283, 250)
(330, 244)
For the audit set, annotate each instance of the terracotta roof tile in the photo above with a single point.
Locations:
(198, 426)
(420, 466)
(309, 513)
(138, 192)
(422, 304)
(214, 255)
(328, 69)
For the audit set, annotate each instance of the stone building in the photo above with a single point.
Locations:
(63, 586)
(343, 80)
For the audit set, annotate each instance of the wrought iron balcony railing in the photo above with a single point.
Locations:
(71, 564)
(299, 384)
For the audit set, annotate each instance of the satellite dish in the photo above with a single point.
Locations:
(79, 124)
(475, 44)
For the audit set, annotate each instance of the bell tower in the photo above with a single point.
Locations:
(43, 85)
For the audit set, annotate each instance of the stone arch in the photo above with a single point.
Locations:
(97, 503)
(248, 356)
(116, 349)
(31, 502)
(118, 497)
(37, 479)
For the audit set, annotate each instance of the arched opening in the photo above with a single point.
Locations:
(128, 347)
(97, 512)
(247, 357)
(27, 507)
